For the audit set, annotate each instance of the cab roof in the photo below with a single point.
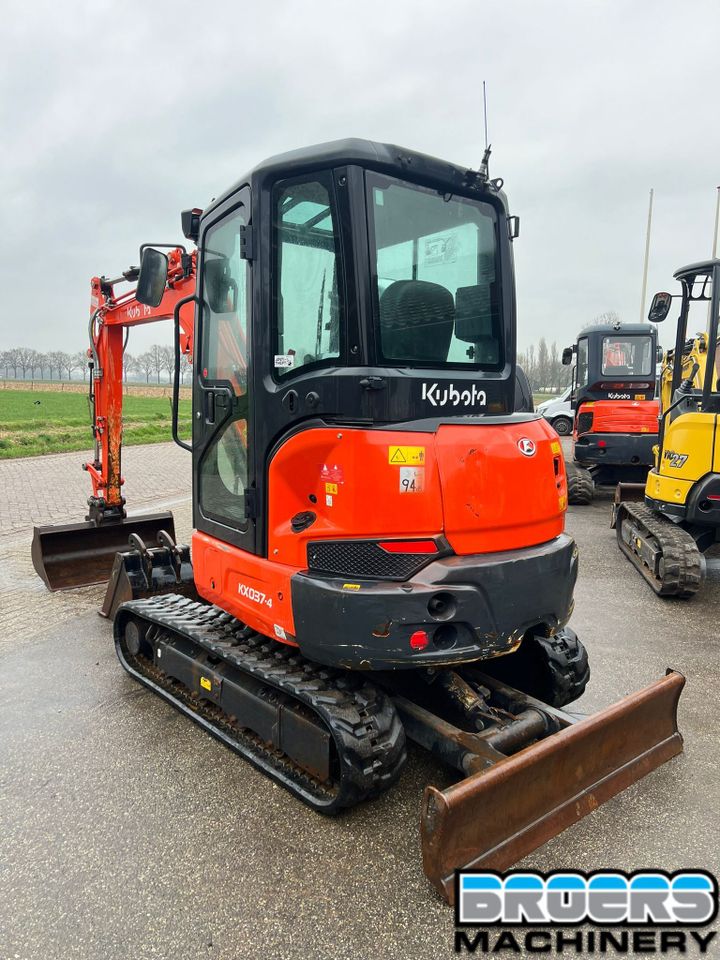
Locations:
(385, 157)
(618, 329)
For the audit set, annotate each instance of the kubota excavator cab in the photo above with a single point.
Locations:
(379, 537)
(616, 410)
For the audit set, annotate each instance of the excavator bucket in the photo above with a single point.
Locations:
(147, 571)
(79, 554)
(626, 493)
(498, 815)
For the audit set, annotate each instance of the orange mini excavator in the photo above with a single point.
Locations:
(616, 412)
(379, 549)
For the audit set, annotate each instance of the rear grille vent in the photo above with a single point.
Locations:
(584, 423)
(363, 559)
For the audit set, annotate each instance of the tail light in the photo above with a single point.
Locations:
(408, 546)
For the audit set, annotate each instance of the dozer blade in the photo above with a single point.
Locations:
(495, 817)
(80, 554)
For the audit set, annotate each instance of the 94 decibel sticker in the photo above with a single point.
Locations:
(411, 479)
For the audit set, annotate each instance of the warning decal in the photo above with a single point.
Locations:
(404, 456)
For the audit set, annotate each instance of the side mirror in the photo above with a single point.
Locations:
(567, 356)
(153, 277)
(660, 307)
(659, 354)
(221, 290)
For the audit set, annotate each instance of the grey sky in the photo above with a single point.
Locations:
(116, 115)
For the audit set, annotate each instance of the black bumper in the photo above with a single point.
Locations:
(626, 449)
(481, 607)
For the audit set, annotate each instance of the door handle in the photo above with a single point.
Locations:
(210, 407)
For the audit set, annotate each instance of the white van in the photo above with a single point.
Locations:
(558, 412)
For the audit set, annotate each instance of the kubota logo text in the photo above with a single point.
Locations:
(526, 446)
(451, 396)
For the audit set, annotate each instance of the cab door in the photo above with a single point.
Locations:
(223, 461)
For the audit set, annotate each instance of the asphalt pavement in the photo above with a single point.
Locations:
(128, 832)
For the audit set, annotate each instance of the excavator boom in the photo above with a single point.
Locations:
(79, 554)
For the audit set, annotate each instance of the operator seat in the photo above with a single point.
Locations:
(416, 321)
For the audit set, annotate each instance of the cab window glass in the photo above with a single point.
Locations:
(437, 277)
(582, 363)
(223, 474)
(627, 356)
(224, 313)
(306, 283)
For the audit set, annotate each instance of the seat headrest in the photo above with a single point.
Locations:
(416, 321)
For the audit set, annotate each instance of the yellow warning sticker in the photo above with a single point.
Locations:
(555, 447)
(562, 503)
(207, 684)
(351, 586)
(331, 488)
(639, 396)
(403, 456)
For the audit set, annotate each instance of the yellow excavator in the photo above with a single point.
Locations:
(667, 534)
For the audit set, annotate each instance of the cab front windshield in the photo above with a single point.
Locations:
(436, 276)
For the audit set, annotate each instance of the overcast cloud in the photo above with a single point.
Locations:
(116, 115)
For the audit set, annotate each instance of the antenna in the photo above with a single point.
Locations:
(485, 114)
(486, 156)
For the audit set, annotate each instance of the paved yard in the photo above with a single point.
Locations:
(127, 832)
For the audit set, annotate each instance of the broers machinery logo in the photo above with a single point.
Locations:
(649, 912)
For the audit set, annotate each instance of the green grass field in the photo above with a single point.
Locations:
(34, 422)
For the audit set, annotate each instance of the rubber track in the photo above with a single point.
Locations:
(683, 566)
(366, 730)
(579, 484)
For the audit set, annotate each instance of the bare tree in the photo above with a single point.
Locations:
(129, 365)
(167, 355)
(156, 352)
(185, 369)
(609, 317)
(24, 357)
(37, 361)
(81, 363)
(12, 361)
(146, 365)
(55, 362)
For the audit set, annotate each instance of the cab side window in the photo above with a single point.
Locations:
(307, 301)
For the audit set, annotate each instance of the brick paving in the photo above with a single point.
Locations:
(38, 490)
(53, 489)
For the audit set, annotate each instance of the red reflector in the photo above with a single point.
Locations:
(713, 496)
(419, 640)
(408, 546)
(602, 443)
